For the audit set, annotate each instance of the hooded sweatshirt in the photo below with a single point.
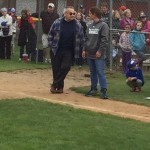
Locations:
(137, 41)
(96, 39)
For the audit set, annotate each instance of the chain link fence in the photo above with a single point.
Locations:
(113, 13)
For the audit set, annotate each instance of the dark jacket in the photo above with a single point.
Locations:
(54, 37)
(84, 26)
(47, 20)
(27, 33)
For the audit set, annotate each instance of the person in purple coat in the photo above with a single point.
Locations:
(127, 20)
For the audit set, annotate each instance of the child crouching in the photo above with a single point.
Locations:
(134, 76)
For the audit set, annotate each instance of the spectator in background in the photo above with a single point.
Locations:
(121, 10)
(96, 44)
(146, 23)
(145, 28)
(79, 17)
(134, 75)
(5, 34)
(127, 19)
(48, 17)
(104, 12)
(137, 42)
(116, 19)
(116, 24)
(105, 18)
(14, 25)
(27, 35)
(124, 43)
(82, 10)
(65, 40)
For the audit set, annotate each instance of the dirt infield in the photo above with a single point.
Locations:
(36, 83)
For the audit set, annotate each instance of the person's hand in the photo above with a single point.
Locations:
(129, 79)
(4, 23)
(133, 78)
(98, 54)
(83, 54)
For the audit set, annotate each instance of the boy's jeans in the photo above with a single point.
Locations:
(97, 73)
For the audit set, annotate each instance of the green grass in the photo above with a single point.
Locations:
(27, 124)
(118, 90)
(14, 64)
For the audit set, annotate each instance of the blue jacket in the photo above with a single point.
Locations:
(137, 41)
(54, 37)
(136, 73)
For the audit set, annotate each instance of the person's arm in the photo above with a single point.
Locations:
(9, 22)
(103, 38)
(51, 35)
(84, 50)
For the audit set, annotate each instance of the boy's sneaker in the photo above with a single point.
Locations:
(104, 96)
(91, 93)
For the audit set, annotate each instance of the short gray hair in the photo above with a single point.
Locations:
(3, 9)
(66, 8)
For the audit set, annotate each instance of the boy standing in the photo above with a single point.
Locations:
(96, 44)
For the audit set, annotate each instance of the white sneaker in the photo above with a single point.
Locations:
(46, 61)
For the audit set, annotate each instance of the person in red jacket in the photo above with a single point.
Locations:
(27, 35)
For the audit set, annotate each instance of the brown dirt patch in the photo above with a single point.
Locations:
(36, 84)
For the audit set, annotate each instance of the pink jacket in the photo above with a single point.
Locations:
(125, 21)
(146, 28)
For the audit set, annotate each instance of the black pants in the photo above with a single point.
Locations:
(61, 64)
(5, 47)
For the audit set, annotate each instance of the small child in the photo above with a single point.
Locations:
(124, 43)
(134, 76)
(137, 41)
(114, 52)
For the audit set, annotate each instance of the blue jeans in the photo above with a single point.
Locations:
(97, 73)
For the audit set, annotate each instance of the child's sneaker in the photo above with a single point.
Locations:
(138, 89)
(133, 89)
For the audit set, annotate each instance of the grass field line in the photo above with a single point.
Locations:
(106, 111)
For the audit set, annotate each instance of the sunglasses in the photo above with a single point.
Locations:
(71, 13)
(50, 7)
(143, 17)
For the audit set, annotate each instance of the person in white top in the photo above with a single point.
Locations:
(5, 34)
(14, 26)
